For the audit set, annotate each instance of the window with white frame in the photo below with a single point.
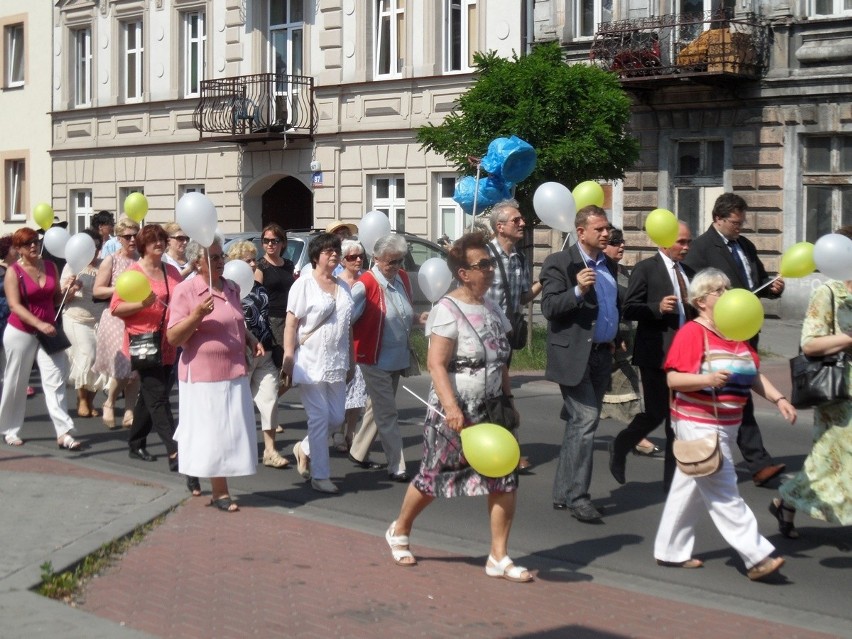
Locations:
(697, 179)
(388, 196)
(829, 7)
(286, 38)
(81, 208)
(14, 45)
(82, 66)
(194, 41)
(389, 38)
(15, 180)
(588, 14)
(183, 189)
(450, 219)
(123, 192)
(827, 180)
(132, 60)
(460, 28)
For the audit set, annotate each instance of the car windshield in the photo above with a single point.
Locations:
(295, 247)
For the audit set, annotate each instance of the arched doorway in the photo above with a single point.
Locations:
(289, 203)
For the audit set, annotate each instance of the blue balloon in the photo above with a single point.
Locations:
(511, 159)
(491, 190)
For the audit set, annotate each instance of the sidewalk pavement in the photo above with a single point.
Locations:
(273, 570)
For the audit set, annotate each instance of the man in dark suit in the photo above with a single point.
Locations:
(580, 302)
(722, 247)
(657, 300)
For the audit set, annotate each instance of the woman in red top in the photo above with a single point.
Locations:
(33, 291)
(152, 409)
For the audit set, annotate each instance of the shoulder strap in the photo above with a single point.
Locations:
(481, 343)
(166, 305)
(510, 308)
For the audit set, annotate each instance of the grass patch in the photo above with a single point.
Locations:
(531, 358)
(66, 585)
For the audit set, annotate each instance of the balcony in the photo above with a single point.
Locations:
(256, 108)
(711, 47)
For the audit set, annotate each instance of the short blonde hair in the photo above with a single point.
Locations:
(124, 225)
(241, 250)
(707, 281)
(172, 228)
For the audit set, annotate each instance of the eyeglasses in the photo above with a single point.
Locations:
(128, 236)
(330, 252)
(271, 240)
(719, 291)
(352, 258)
(216, 257)
(513, 220)
(486, 263)
(396, 262)
(616, 242)
(180, 238)
(34, 242)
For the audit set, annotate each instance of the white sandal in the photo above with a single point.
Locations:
(14, 440)
(399, 547)
(68, 443)
(506, 569)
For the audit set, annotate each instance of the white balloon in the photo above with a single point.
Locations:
(196, 215)
(372, 226)
(79, 252)
(434, 278)
(241, 274)
(833, 256)
(554, 205)
(55, 239)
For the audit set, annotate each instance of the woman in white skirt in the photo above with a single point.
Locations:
(216, 434)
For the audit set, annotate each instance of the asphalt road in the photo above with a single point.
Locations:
(617, 551)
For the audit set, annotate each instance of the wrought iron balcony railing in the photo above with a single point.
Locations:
(256, 107)
(686, 45)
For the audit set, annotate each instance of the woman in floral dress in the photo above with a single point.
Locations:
(110, 359)
(823, 488)
(468, 351)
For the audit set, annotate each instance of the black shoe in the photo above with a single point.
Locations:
(402, 478)
(141, 453)
(558, 506)
(616, 464)
(193, 485)
(366, 465)
(585, 511)
(173, 464)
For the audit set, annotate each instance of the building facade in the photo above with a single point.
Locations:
(279, 110)
(25, 104)
(751, 96)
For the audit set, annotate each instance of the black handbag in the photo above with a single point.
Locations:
(500, 411)
(518, 337)
(146, 349)
(818, 380)
(50, 344)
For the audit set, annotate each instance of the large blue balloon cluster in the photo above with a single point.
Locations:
(508, 161)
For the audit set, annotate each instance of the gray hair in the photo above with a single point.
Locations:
(390, 244)
(194, 250)
(707, 281)
(349, 245)
(498, 211)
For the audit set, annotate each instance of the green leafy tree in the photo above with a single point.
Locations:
(575, 116)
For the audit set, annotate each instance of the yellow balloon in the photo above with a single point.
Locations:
(588, 192)
(798, 260)
(661, 226)
(738, 314)
(136, 206)
(43, 215)
(132, 286)
(490, 449)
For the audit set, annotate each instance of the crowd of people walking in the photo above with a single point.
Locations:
(341, 332)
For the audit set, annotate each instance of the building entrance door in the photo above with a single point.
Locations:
(288, 203)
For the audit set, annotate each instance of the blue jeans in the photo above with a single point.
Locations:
(581, 411)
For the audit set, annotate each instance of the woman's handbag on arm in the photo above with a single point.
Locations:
(50, 344)
(146, 349)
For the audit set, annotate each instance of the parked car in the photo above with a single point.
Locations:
(419, 250)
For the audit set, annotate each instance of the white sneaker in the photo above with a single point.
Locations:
(324, 486)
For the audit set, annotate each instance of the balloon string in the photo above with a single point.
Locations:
(567, 237)
(769, 283)
(435, 410)
(475, 195)
(61, 304)
(209, 273)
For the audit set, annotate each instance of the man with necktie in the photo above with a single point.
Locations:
(580, 302)
(722, 247)
(657, 301)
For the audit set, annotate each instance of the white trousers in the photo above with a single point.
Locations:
(264, 390)
(21, 350)
(325, 406)
(380, 418)
(717, 494)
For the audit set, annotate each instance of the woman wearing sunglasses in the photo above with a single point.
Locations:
(110, 358)
(468, 351)
(276, 274)
(176, 250)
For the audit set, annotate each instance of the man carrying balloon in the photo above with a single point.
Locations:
(580, 302)
(723, 247)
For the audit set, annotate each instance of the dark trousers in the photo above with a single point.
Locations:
(750, 441)
(153, 410)
(655, 395)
